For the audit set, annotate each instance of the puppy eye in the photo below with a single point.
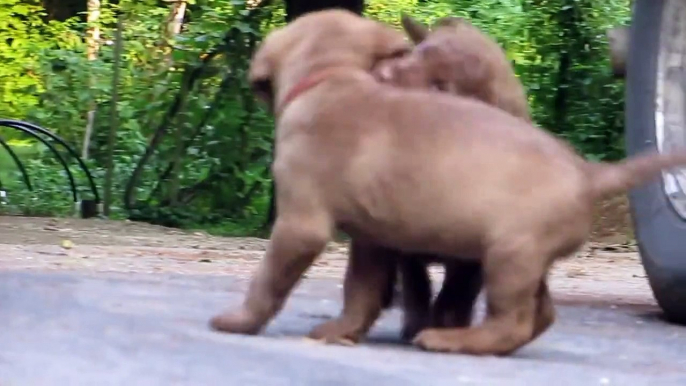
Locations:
(399, 53)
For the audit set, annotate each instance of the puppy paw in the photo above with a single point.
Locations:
(469, 341)
(440, 340)
(336, 331)
(238, 322)
(452, 319)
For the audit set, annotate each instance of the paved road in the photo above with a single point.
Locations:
(116, 329)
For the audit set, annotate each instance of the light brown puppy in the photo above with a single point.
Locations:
(457, 58)
(420, 172)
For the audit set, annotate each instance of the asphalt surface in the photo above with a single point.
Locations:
(125, 329)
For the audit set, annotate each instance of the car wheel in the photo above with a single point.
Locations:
(656, 119)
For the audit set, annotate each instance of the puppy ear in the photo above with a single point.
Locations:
(430, 50)
(449, 21)
(414, 29)
(260, 65)
(261, 74)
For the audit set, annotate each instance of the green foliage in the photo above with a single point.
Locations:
(211, 169)
(23, 36)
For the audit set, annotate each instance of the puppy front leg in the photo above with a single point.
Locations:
(370, 268)
(292, 249)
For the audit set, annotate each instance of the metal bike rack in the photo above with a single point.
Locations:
(17, 162)
(88, 208)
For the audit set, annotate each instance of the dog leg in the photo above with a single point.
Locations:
(545, 311)
(391, 291)
(454, 305)
(292, 249)
(366, 281)
(512, 283)
(416, 294)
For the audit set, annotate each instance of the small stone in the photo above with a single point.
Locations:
(67, 244)
(576, 272)
(204, 261)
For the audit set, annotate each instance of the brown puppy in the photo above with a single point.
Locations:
(457, 58)
(420, 172)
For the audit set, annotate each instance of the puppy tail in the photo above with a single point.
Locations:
(608, 179)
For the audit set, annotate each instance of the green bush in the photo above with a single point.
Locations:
(192, 88)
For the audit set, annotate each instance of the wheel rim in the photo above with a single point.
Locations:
(670, 106)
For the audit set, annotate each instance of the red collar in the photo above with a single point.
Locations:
(303, 86)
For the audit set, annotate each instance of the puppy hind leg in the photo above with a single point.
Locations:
(545, 310)
(293, 247)
(366, 281)
(416, 294)
(512, 279)
(391, 290)
(454, 305)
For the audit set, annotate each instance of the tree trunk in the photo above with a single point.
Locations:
(294, 9)
(114, 115)
(174, 23)
(176, 17)
(93, 41)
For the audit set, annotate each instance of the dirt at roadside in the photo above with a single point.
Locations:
(607, 273)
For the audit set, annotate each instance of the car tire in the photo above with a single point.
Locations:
(660, 230)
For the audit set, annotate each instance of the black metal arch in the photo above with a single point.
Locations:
(54, 151)
(33, 130)
(17, 162)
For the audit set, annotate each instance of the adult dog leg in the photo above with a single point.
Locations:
(293, 247)
(454, 304)
(512, 281)
(364, 288)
